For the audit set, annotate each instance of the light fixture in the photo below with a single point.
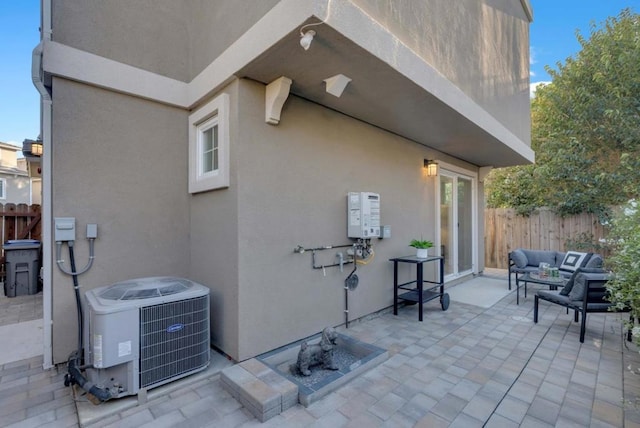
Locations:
(36, 148)
(431, 167)
(306, 39)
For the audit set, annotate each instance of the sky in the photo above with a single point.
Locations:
(552, 40)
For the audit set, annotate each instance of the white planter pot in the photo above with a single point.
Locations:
(422, 253)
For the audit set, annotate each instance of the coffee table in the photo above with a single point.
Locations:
(552, 282)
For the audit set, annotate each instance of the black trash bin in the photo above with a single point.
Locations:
(22, 265)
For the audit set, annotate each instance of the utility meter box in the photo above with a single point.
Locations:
(364, 215)
(22, 265)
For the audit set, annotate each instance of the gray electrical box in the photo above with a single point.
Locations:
(65, 229)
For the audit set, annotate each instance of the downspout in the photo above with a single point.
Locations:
(37, 77)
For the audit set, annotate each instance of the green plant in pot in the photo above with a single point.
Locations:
(422, 246)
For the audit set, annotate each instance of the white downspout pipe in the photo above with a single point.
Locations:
(37, 77)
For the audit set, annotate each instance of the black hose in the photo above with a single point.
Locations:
(74, 375)
(76, 287)
(77, 378)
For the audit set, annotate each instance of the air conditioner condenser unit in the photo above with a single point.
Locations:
(145, 332)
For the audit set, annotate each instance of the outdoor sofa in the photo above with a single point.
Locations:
(522, 261)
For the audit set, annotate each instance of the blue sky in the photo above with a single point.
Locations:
(553, 39)
(553, 31)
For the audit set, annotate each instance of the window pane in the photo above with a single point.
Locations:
(207, 162)
(215, 148)
(207, 140)
(210, 149)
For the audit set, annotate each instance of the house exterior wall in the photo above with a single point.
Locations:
(214, 243)
(229, 18)
(15, 176)
(18, 189)
(174, 38)
(120, 162)
(159, 27)
(295, 180)
(480, 46)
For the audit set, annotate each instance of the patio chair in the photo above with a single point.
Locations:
(587, 294)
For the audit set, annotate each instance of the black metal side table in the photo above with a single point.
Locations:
(415, 290)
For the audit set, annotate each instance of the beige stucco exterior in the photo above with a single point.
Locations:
(431, 80)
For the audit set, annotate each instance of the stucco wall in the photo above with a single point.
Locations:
(217, 24)
(168, 37)
(119, 162)
(214, 243)
(148, 34)
(482, 46)
(293, 183)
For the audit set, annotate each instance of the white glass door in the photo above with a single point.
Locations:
(457, 232)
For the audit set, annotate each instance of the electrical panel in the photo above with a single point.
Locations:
(364, 215)
(65, 229)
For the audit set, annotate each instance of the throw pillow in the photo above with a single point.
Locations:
(579, 284)
(572, 261)
(519, 258)
(595, 261)
(569, 285)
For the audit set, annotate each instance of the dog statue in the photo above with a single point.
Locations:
(321, 353)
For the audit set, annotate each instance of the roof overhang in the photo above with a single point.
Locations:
(406, 97)
(392, 87)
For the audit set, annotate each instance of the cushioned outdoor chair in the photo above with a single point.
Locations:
(584, 293)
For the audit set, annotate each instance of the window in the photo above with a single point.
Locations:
(3, 188)
(209, 146)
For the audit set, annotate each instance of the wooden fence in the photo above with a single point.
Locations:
(543, 230)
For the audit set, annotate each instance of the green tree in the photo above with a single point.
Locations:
(585, 129)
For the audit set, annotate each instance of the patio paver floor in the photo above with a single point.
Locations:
(467, 366)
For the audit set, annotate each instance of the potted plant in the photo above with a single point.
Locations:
(422, 247)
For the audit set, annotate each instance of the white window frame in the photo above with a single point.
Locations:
(3, 188)
(214, 113)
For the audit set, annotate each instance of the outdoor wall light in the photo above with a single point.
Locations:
(431, 167)
(36, 148)
(306, 37)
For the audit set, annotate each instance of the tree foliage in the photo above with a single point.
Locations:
(585, 129)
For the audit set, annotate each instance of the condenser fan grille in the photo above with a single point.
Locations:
(174, 339)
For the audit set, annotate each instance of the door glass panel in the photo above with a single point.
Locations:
(446, 222)
(465, 224)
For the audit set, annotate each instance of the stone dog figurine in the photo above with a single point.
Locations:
(318, 354)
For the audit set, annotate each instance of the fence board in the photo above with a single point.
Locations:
(542, 230)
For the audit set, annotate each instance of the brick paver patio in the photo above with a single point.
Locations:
(467, 367)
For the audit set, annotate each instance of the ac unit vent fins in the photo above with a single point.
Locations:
(174, 339)
(146, 288)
